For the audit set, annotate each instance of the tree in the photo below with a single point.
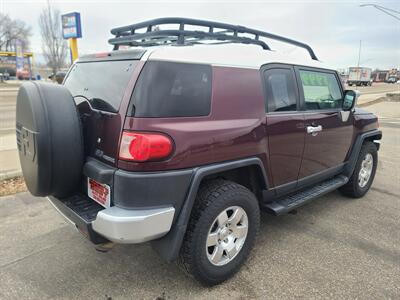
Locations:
(12, 30)
(53, 44)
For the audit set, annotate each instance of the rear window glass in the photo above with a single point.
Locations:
(168, 89)
(101, 81)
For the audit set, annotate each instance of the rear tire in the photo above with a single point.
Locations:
(364, 172)
(230, 244)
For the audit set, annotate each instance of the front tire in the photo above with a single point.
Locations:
(221, 232)
(364, 172)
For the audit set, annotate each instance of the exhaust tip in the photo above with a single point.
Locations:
(105, 247)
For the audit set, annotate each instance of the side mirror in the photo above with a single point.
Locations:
(350, 99)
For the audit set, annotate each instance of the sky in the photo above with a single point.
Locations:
(332, 28)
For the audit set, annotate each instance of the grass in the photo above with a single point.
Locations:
(12, 186)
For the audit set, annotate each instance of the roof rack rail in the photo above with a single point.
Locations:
(225, 33)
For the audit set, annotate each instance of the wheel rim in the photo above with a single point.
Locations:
(366, 170)
(227, 235)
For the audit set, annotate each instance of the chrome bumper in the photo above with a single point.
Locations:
(133, 226)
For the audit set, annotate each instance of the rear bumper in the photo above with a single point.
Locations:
(144, 204)
(133, 226)
(136, 190)
(114, 224)
(80, 212)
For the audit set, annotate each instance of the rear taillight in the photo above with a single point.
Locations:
(137, 146)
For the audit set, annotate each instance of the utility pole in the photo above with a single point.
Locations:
(359, 55)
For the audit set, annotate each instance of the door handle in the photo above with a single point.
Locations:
(313, 130)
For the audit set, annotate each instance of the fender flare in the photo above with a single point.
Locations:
(351, 162)
(168, 247)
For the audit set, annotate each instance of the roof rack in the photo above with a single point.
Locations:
(221, 32)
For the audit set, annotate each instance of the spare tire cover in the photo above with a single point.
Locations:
(49, 139)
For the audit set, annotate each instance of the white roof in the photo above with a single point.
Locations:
(233, 55)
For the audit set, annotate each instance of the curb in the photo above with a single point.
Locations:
(394, 97)
(10, 174)
(375, 101)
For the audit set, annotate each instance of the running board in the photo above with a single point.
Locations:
(288, 203)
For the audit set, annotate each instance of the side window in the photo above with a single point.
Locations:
(321, 90)
(280, 90)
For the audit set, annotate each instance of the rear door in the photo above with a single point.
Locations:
(285, 125)
(99, 87)
(328, 129)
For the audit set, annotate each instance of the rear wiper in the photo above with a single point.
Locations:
(98, 104)
(101, 104)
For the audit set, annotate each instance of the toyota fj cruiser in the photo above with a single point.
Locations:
(183, 138)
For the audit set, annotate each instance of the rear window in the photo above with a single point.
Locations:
(168, 89)
(101, 82)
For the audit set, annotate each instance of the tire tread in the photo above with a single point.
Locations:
(209, 192)
(351, 188)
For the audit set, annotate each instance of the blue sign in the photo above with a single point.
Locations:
(19, 56)
(71, 25)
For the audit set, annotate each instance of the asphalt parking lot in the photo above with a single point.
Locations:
(335, 247)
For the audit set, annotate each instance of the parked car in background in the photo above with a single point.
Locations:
(181, 142)
(4, 76)
(58, 77)
(23, 75)
(392, 79)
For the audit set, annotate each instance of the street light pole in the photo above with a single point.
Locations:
(359, 55)
(388, 11)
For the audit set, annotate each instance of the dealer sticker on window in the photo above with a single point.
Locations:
(99, 192)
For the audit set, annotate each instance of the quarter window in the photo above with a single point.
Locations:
(321, 90)
(169, 89)
(280, 90)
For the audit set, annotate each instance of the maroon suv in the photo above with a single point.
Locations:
(182, 139)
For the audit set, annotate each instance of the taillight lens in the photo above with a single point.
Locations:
(137, 146)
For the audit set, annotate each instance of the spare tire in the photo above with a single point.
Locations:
(49, 138)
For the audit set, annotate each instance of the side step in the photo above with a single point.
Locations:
(288, 203)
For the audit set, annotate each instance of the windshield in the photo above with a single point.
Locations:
(101, 82)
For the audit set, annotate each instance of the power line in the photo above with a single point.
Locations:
(384, 10)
